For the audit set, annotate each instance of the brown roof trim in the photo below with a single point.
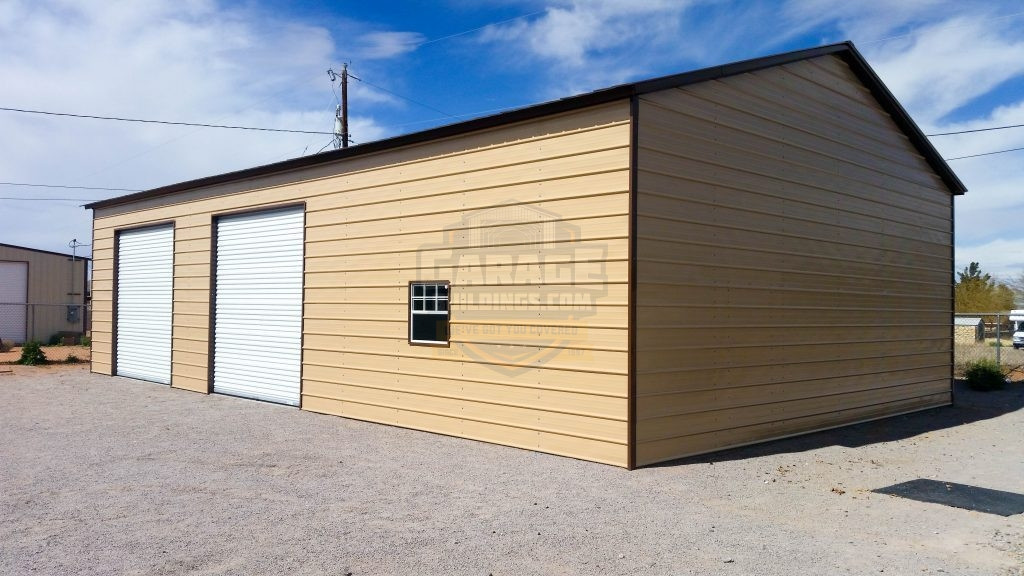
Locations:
(899, 115)
(37, 250)
(844, 50)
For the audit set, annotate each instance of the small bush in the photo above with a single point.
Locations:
(56, 340)
(72, 359)
(86, 341)
(32, 354)
(985, 375)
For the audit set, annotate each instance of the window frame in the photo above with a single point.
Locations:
(435, 298)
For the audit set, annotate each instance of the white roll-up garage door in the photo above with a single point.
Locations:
(258, 314)
(13, 299)
(145, 283)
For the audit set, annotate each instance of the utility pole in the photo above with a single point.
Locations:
(341, 135)
(74, 313)
(344, 105)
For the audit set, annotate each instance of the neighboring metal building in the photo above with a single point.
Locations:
(968, 330)
(628, 276)
(42, 294)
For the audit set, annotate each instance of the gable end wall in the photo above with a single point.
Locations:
(794, 262)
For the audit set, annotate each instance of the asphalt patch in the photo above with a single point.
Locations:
(958, 496)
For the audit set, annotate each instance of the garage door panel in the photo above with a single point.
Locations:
(145, 282)
(13, 298)
(258, 307)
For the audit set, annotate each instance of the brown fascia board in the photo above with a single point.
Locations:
(844, 50)
(37, 250)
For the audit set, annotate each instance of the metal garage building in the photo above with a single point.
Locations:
(628, 276)
(42, 294)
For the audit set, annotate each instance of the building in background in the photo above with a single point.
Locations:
(968, 329)
(628, 276)
(43, 295)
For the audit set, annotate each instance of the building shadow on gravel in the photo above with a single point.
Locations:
(968, 406)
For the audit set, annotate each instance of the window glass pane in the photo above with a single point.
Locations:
(417, 289)
(442, 305)
(440, 327)
(431, 290)
(430, 327)
(430, 305)
(417, 304)
(442, 290)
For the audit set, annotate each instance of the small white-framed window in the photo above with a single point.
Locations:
(429, 313)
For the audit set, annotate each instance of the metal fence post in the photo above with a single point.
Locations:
(999, 339)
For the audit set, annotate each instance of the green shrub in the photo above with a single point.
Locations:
(86, 341)
(32, 354)
(72, 359)
(985, 375)
(56, 340)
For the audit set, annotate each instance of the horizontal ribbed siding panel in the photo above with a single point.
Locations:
(550, 353)
(794, 261)
(678, 447)
(507, 156)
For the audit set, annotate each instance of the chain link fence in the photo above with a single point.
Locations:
(988, 336)
(44, 323)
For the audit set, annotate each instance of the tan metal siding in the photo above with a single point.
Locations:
(50, 289)
(539, 324)
(794, 257)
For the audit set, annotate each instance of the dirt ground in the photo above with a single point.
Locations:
(53, 353)
(106, 475)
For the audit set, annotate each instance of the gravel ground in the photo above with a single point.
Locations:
(103, 475)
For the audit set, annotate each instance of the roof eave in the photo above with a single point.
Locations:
(845, 50)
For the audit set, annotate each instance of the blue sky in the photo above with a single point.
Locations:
(953, 65)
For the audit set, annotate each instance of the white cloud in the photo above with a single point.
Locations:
(587, 45)
(173, 60)
(381, 45)
(865, 20)
(945, 66)
(1002, 258)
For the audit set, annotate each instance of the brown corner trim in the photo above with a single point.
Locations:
(634, 146)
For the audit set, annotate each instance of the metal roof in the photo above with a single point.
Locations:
(39, 251)
(844, 50)
(968, 321)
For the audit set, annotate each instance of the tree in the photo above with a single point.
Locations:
(1016, 284)
(975, 291)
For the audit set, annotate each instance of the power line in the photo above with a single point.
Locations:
(977, 130)
(948, 26)
(22, 198)
(418, 103)
(984, 154)
(70, 187)
(48, 199)
(92, 117)
(417, 44)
